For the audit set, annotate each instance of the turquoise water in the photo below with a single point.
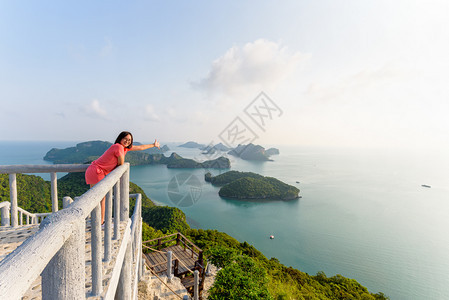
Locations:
(363, 214)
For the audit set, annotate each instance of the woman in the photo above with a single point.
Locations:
(111, 158)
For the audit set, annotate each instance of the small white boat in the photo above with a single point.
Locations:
(271, 237)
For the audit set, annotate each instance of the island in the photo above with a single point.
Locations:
(81, 153)
(192, 145)
(212, 149)
(228, 177)
(272, 151)
(177, 162)
(89, 151)
(253, 152)
(155, 150)
(252, 186)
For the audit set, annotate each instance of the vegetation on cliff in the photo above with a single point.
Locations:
(33, 192)
(281, 281)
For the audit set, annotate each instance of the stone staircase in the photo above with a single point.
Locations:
(153, 288)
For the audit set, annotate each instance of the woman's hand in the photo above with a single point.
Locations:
(156, 144)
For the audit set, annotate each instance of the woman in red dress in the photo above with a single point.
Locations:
(111, 158)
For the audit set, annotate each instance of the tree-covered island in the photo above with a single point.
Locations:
(253, 152)
(252, 186)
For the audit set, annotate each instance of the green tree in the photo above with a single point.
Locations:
(242, 279)
(221, 256)
(164, 218)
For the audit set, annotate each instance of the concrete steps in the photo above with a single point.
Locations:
(153, 288)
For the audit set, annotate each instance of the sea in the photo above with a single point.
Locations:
(363, 213)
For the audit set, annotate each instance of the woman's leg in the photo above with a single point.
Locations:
(103, 201)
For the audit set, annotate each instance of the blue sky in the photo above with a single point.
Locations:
(342, 73)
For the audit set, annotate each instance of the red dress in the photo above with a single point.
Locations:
(104, 164)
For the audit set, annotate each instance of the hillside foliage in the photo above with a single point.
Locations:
(282, 282)
(33, 192)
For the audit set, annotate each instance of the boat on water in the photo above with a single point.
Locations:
(271, 237)
(425, 185)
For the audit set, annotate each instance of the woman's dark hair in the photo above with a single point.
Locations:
(122, 135)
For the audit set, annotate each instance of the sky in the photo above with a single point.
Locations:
(345, 73)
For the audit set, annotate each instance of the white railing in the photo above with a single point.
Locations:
(4, 209)
(30, 218)
(57, 250)
(12, 170)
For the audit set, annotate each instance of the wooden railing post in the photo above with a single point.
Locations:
(13, 199)
(54, 192)
(64, 276)
(176, 267)
(124, 196)
(200, 258)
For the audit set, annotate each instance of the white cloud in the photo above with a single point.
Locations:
(150, 114)
(261, 65)
(94, 109)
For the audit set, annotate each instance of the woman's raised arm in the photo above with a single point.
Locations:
(144, 147)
